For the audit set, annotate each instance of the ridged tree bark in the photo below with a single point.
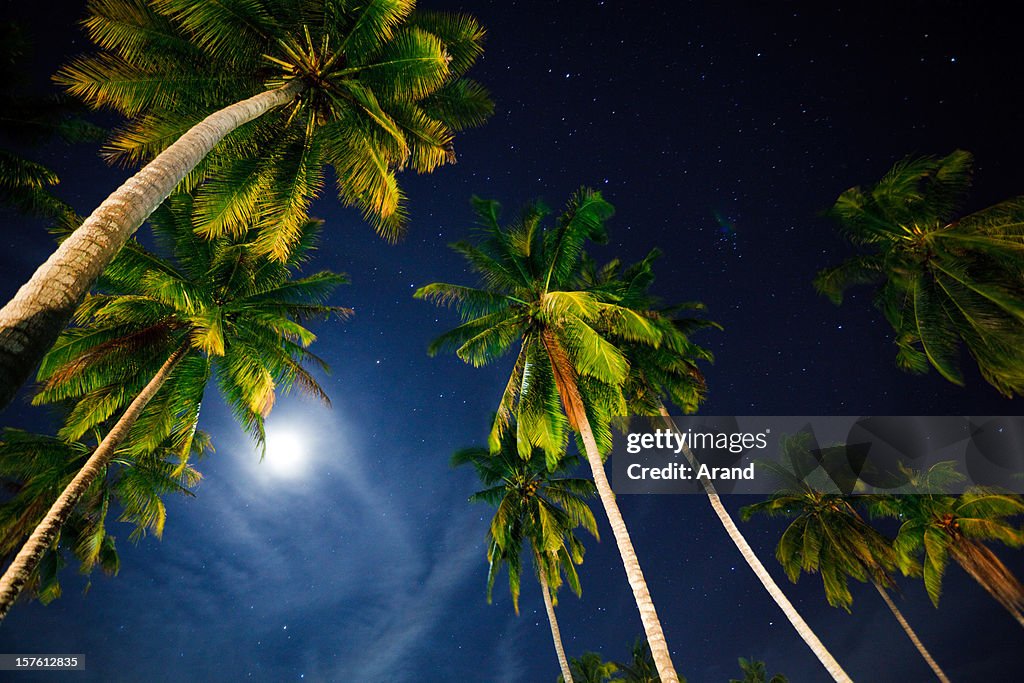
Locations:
(31, 321)
(556, 635)
(27, 559)
(801, 626)
(939, 673)
(568, 390)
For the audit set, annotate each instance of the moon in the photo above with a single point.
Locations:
(287, 453)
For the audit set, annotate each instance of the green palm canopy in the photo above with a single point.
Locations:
(537, 508)
(534, 507)
(756, 671)
(34, 469)
(942, 280)
(640, 668)
(145, 347)
(939, 527)
(378, 88)
(30, 119)
(257, 97)
(569, 371)
(668, 371)
(827, 535)
(531, 296)
(591, 668)
(238, 317)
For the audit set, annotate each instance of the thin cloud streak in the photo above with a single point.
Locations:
(415, 611)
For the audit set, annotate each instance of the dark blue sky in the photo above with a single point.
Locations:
(368, 564)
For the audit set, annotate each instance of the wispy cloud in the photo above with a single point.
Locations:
(508, 660)
(329, 551)
(415, 609)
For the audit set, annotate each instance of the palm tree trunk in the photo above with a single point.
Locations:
(985, 567)
(556, 635)
(568, 390)
(801, 626)
(939, 673)
(31, 321)
(27, 559)
(644, 603)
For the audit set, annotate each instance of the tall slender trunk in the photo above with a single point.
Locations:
(568, 390)
(985, 567)
(556, 635)
(939, 673)
(31, 321)
(801, 626)
(27, 559)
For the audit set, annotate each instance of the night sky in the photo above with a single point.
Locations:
(366, 563)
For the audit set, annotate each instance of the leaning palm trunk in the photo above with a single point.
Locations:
(556, 635)
(31, 321)
(991, 574)
(27, 559)
(801, 626)
(929, 660)
(568, 390)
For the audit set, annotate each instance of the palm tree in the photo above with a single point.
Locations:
(669, 372)
(942, 527)
(640, 668)
(149, 345)
(535, 506)
(590, 668)
(827, 535)
(30, 119)
(942, 280)
(369, 88)
(566, 372)
(34, 469)
(755, 671)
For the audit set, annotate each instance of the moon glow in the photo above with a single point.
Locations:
(287, 454)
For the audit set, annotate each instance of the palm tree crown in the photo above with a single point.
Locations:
(145, 348)
(827, 535)
(569, 371)
(30, 119)
(378, 88)
(530, 295)
(942, 280)
(591, 668)
(237, 315)
(34, 469)
(255, 96)
(640, 668)
(534, 506)
(756, 671)
(669, 370)
(944, 527)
